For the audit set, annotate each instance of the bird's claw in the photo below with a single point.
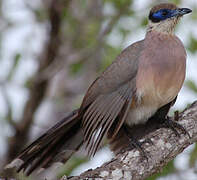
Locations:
(134, 143)
(174, 126)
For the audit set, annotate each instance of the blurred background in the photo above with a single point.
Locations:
(52, 50)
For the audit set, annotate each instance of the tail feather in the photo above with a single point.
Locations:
(57, 144)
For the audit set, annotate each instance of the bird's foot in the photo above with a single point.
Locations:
(174, 126)
(134, 143)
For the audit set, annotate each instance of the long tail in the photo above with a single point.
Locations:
(56, 145)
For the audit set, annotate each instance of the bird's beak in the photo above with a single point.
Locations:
(181, 11)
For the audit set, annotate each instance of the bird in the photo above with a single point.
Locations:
(143, 82)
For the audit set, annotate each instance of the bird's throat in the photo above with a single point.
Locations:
(166, 27)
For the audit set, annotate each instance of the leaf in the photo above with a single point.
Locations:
(192, 86)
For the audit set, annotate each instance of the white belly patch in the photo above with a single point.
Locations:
(140, 114)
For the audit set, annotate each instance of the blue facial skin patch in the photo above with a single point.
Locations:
(164, 14)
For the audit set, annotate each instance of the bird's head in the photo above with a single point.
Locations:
(164, 17)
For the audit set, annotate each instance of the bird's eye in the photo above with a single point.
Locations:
(160, 15)
(164, 13)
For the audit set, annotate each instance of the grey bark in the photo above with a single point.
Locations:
(166, 146)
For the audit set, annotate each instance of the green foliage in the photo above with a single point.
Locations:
(119, 3)
(193, 157)
(144, 22)
(177, 2)
(21, 176)
(28, 83)
(110, 54)
(89, 38)
(83, 4)
(41, 16)
(192, 86)
(194, 14)
(17, 58)
(122, 5)
(76, 68)
(71, 165)
(168, 169)
(193, 44)
(71, 28)
(124, 32)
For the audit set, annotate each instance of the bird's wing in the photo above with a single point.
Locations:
(108, 100)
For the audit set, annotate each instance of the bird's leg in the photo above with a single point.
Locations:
(176, 115)
(134, 143)
(173, 125)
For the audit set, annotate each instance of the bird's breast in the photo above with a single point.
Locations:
(160, 76)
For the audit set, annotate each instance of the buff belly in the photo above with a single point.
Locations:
(140, 114)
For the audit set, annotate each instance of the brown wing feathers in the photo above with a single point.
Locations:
(102, 113)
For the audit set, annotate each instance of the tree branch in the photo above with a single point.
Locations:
(166, 146)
